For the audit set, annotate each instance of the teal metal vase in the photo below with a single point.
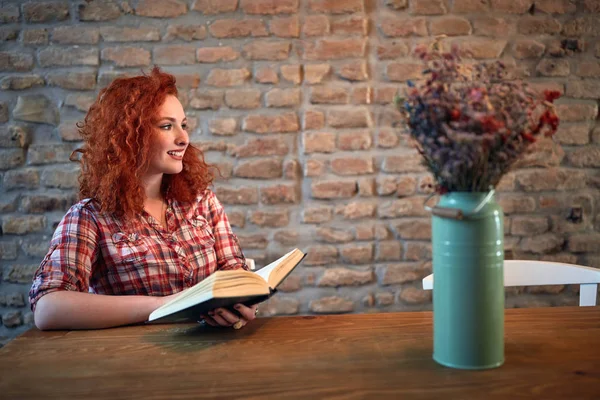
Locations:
(468, 285)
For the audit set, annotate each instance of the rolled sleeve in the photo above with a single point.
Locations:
(227, 246)
(68, 263)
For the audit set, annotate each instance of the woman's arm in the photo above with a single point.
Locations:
(77, 310)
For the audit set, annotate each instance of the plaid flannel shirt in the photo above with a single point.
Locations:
(91, 252)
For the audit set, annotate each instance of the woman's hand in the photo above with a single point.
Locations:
(224, 317)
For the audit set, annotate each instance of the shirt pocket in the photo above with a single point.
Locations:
(201, 232)
(129, 248)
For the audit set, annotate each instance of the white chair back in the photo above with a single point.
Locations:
(527, 273)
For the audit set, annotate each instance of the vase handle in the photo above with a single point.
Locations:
(455, 213)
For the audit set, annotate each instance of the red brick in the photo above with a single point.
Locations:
(588, 69)
(587, 157)
(527, 48)
(592, 6)
(536, 180)
(161, 8)
(266, 75)
(534, 25)
(292, 169)
(237, 196)
(269, 7)
(292, 73)
(243, 98)
(397, 4)
(313, 120)
(271, 218)
(268, 168)
(428, 7)
(287, 122)
(316, 73)
(331, 305)
(223, 126)
(206, 99)
(493, 26)
(317, 214)
(13, 61)
(235, 28)
(216, 54)
(253, 241)
(572, 112)
(9, 13)
(47, 11)
(19, 83)
(451, 26)
(333, 49)
(75, 35)
(261, 147)
(99, 11)
(83, 80)
(584, 89)
(357, 253)
(351, 141)
(482, 48)
(354, 71)
(556, 6)
(331, 235)
(126, 34)
(470, 6)
(227, 77)
(126, 56)
(408, 162)
(266, 50)
(328, 95)
(337, 6)
(279, 194)
(392, 50)
(350, 118)
(314, 168)
(185, 32)
(283, 98)
(352, 166)
(403, 27)
(362, 95)
(511, 6)
(400, 72)
(573, 134)
(318, 142)
(333, 189)
(175, 55)
(315, 25)
(286, 27)
(355, 25)
(335, 277)
(210, 7)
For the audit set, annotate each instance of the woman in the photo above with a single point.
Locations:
(147, 226)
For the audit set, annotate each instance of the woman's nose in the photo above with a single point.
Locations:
(182, 137)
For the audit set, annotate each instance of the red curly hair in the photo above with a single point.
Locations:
(118, 132)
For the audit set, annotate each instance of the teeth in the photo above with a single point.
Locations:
(176, 153)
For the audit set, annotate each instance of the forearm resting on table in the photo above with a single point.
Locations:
(77, 310)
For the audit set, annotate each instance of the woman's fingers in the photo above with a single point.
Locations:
(248, 313)
(224, 317)
(209, 320)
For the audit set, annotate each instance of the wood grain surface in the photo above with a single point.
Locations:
(551, 353)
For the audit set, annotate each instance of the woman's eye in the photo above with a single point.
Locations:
(184, 127)
(166, 127)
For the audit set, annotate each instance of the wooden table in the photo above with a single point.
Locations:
(551, 353)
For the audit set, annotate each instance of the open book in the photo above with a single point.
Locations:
(226, 288)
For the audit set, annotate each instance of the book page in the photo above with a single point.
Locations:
(265, 272)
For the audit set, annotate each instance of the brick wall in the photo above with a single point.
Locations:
(291, 98)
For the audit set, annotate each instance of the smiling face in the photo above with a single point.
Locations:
(170, 139)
